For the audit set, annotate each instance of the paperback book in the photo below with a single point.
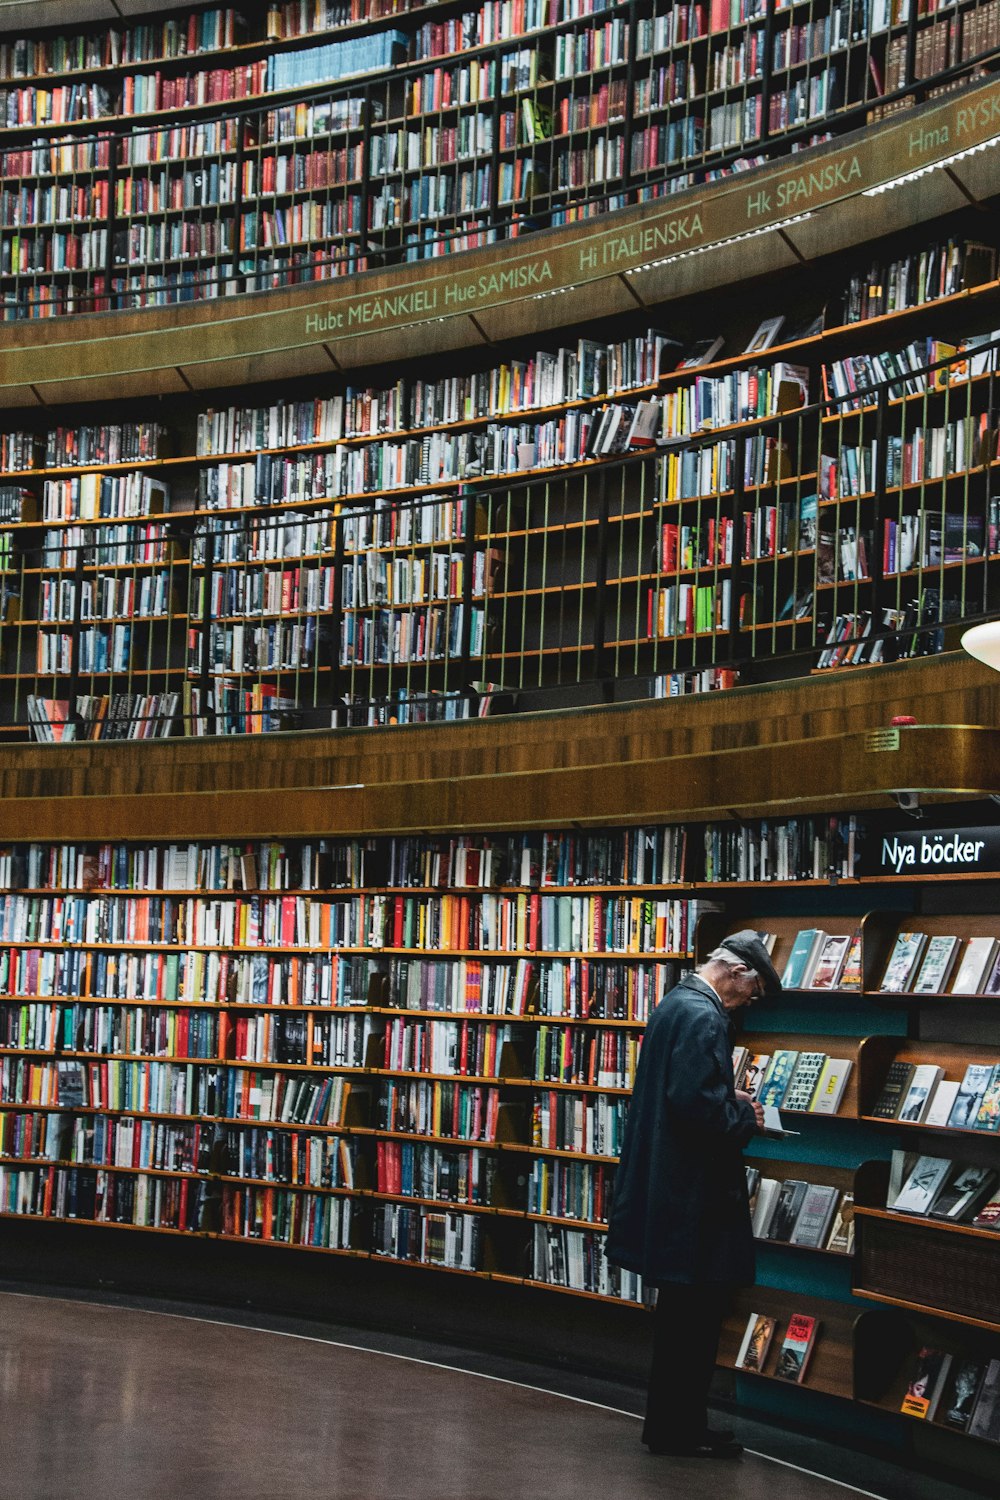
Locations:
(935, 970)
(831, 1086)
(796, 1347)
(903, 961)
(830, 963)
(916, 1101)
(969, 1096)
(926, 1384)
(922, 1186)
(977, 961)
(756, 1342)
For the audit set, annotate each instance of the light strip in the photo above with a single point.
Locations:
(936, 166)
(732, 239)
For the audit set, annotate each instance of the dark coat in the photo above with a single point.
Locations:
(680, 1209)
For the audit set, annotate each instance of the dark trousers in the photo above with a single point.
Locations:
(687, 1323)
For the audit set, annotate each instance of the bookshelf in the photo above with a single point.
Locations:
(199, 158)
(438, 548)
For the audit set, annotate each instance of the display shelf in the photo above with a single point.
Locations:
(830, 1367)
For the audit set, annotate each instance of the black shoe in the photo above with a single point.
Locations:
(705, 1449)
(717, 1437)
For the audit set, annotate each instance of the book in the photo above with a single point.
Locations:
(926, 1383)
(901, 1164)
(791, 1196)
(701, 353)
(830, 963)
(916, 1102)
(977, 960)
(991, 986)
(942, 1103)
(894, 1090)
(831, 1086)
(970, 1093)
(906, 954)
(765, 334)
(802, 959)
(756, 1342)
(754, 1072)
(802, 1084)
(796, 1347)
(958, 1399)
(985, 1421)
(964, 1192)
(815, 1215)
(988, 1216)
(767, 1196)
(988, 1113)
(921, 1187)
(851, 977)
(777, 1077)
(842, 1229)
(938, 962)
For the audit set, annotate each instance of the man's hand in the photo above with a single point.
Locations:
(758, 1109)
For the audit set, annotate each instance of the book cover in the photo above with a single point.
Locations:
(897, 1082)
(916, 1102)
(767, 1196)
(970, 1093)
(778, 1077)
(831, 1086)
(756, 1342)
(815, 1215)
(992, 984)
(754, 1073)
(938, 961)
(842, 1229)
(977, 961)
(802, 959)
(790, 1199)
(985, 1421)
(927, 1380)
(802, 1084)
(906, 954)
(921, 1187)
(851, 977)
(702, 353)
(796, 1347)
(988, 1113)
(901, 1164)
(961, 1389)
(964, 1192)
(988, 1216)
(942, 1103)
(830, 963)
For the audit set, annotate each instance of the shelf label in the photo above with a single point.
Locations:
(946, 851)
(882, 739)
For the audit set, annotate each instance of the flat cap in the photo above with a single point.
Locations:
(748, 948)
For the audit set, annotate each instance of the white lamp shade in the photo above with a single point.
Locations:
(983, 642)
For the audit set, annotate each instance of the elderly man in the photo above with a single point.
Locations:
(680, 1214)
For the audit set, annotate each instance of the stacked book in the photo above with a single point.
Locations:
(959, 1391)
(812, 1215)
(935, 1187)
(921, 964)
(919, 1094)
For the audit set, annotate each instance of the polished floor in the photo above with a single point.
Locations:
(107, 1402)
